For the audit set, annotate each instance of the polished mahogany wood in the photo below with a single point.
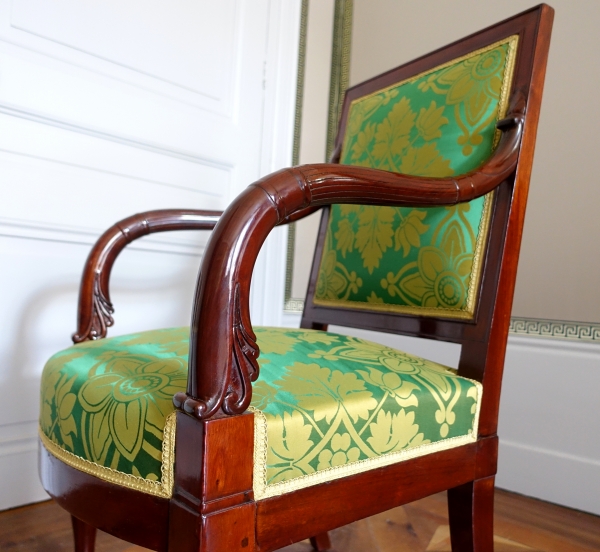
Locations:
(213, 484)
(471, 515)
(219, 379)
(321, 542)
(323, 507)
(95, 308)
(84, 535)
(137, 517)
(521, 524)
(213, 507)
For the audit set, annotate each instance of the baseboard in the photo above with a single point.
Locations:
(550, 475)
(549, 445)
(19, 481)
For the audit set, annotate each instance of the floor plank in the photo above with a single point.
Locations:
(521, 525)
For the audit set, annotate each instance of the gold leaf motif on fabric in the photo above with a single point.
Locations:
(436, 124)
(374, 234)
(392, 432)
(119, 405)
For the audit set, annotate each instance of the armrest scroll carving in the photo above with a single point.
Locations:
(95, 309)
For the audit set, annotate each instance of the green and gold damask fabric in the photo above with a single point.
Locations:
(325, 405)
(106, 403)
(438, 124)
(329, 405)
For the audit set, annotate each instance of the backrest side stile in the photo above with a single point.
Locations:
(434, 272)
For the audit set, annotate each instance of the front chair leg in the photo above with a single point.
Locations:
(471, 513)
(321, 542)
(84, 535)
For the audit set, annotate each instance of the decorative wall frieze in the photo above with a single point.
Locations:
(556, 329)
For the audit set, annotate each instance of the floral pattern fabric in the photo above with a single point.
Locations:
(323, 403)
(107, 401)
(439, 124)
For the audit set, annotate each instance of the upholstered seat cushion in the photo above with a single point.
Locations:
(325, 406)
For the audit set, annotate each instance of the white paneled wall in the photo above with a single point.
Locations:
(111, 108)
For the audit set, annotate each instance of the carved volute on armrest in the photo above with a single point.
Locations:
(223, 350)
(95, 310)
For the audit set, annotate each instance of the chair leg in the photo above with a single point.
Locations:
(84, 535)
(471, 513)
(321, 542)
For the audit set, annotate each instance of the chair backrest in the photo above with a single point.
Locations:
(427, 271)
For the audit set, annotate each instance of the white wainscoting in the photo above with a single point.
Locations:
(18, 465)
(112, 108)
(549, 425)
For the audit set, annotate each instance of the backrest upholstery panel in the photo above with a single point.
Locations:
(424, 261)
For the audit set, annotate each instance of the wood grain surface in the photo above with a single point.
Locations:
(521, 525)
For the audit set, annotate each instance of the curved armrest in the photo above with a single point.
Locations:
(223, 350)
(94, 314)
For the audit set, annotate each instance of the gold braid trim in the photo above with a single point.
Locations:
(163, 488)
(486, 215)
(263, 490)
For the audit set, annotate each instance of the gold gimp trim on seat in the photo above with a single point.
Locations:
(162, 488)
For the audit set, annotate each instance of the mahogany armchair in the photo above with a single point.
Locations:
(423, 207)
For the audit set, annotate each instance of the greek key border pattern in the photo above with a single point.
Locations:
(557, 329)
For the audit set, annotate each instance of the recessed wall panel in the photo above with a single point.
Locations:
(187, 44)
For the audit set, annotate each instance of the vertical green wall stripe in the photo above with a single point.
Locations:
(340, 67)
(289, 270)
(300, 82)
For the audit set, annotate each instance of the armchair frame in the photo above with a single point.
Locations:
(212, 507)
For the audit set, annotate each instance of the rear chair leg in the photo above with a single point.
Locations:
(471, 512)
(321, 542)
(84, 535)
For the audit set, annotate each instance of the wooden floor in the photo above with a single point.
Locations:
(521, 525)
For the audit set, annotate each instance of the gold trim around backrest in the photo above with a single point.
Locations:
(468, 312)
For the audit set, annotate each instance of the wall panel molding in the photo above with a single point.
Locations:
(525, 470)
(18, 459)
(74, 149)
(60, 35)
(17, 438)
(86, 142)
(31, 115)
(48, 166)
(51, 83)
(15, 228)
(547, 426)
